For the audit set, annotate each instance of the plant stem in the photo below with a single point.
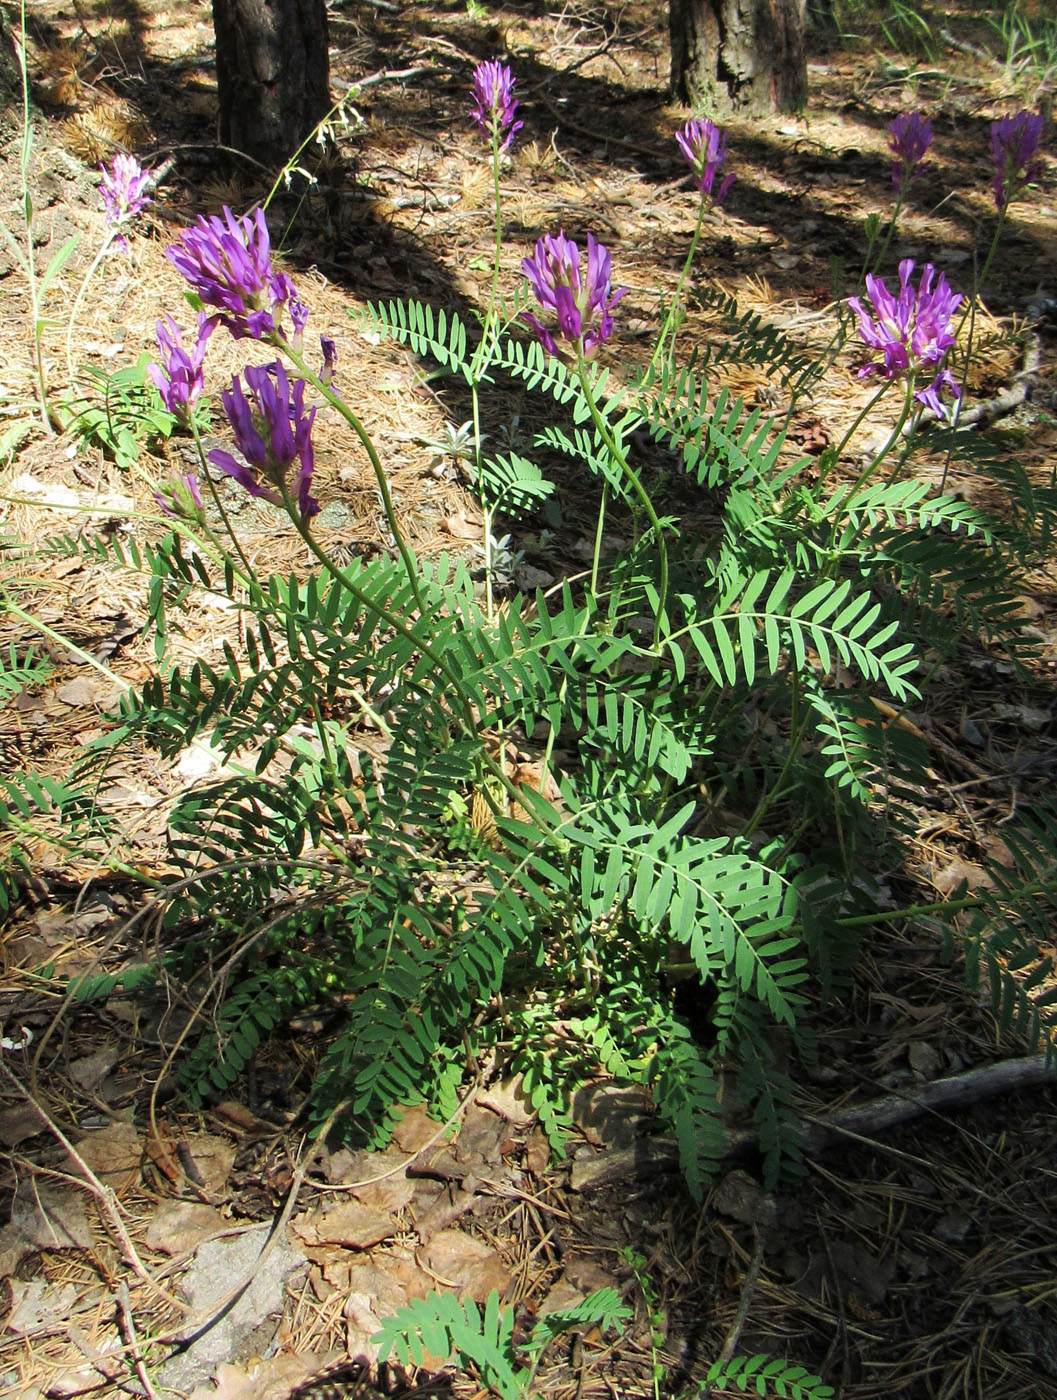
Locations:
(943, 906)
(970, 315)
(29, 262)
(111, 234)
(617, 455)
(670, 323)
(888, 237)
(846, 501)
(599, 527)
(797, 730)
(335, 399)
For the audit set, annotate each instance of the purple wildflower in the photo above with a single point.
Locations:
(182, 500)
(123, 190)
(909, 137)
(582, 303)
(272, 431)
(330, 359)
(299, 316)
(178, 379)
(1014, 140)
(228, 262)
(912, 331)
(494, 101)
(705, 147)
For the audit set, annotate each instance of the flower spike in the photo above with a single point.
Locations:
(1014, 141)
(494, 101)
(911, 331)
(909, 137)
(582, 302)
(272, 431)
(705, 147)
(124, 194)
(182, 500)
(178, 379)
(228, 262)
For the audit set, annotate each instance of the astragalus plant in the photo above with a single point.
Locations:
(674, 885)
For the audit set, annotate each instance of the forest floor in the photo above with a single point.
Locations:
(913, 1261)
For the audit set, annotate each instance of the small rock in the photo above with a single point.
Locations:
(924, 1059)
(740, 1197)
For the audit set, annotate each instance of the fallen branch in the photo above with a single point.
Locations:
(821, 1134)
(1024, 381)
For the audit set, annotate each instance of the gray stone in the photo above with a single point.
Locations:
(218, 1267)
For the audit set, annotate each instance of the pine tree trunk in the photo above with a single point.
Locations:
(273, 74)
(742, 57)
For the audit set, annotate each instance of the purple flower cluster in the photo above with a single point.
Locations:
(228, 262)
(911, 331)
(179, 379)
(182, 500)
(1014, 141)
(909, 137)
(582, 300)
(494, 101)
(705, 147)
(272, 431)
(124, 193)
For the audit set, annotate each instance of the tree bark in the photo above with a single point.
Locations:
(273, 74)
(738, 57)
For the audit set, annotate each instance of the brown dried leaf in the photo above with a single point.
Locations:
(19, 1123)
(51, 1217)
(114, 1153)
(461, 528)
(275, 1379)
(90, 1070)
(212, 1157)
(951, 876)
(391, 1193)
(179, 1227)
(466, 1264)
(509, 1100)
(415, 1129)
(38, 1304)
(349, 1223)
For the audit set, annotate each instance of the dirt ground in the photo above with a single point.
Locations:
(913, 1261)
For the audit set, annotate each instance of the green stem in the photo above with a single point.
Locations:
(797, 730)
(486, 514)
(484, 349)
(894, 437)
(478, 367)
(888, 238)
(29, 263)
(945, 906)
(335, 399)
(970, 315)
(599, 528)
(111, 234)
(670, 325)
(617, 455)
(312, 136)
(335, 571)
(468, 719)
(251, 580)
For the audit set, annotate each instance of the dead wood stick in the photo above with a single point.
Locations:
(748, 1289)
(105, 1195)
(1024, 383)
(875, 1116)
(955, 1091)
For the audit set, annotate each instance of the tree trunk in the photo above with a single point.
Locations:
(273, 74)
(738, 57)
